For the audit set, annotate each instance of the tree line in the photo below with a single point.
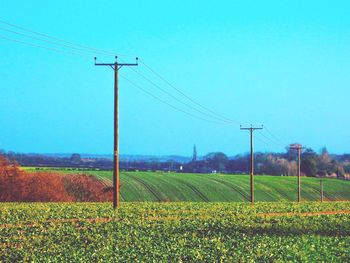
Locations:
(321, 164)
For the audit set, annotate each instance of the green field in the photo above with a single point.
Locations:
(175, 232)
(196, 231)
(158, 186)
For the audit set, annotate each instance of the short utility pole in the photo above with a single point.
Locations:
(298, 147)
(251, 129)
(321, 189)
(116, 185)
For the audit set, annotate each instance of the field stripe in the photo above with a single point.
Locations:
(197, 192)
(147, 186)
(339, 212)
(234, 187)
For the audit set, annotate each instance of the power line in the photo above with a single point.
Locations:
(77, 53)
(177, 99)
(58, 39)
(168, 104)
(269, 139)
(83, 48)
(186, 96)
(176, 108)
(47, 41)
(42, 47)
(262, 140)
(273, 136)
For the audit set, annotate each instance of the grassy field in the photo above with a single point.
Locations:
(175, 232)
(158, 186)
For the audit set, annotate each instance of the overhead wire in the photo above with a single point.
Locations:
(83, 48)
(272, 135)
(42, 47)
(185, 95)
(268, 138)
(80, 54)
(262, 140)
(167, 103)
(213, 116)
(100, 51)
(177, 99)
(46, 41)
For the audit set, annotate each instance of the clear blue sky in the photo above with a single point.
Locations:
(285, 64)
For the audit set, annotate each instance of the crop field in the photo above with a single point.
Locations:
(182, 232)
(158, 186)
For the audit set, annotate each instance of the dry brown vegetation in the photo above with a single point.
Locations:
(17, 185)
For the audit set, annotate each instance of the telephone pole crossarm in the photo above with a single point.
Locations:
(252, 128)
(116, 66)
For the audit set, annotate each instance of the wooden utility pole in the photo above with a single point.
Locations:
(321, 189)
(251, 129)
(116, 185)
(298, 147)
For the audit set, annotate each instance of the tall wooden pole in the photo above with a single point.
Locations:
(116, 184)
(116, 146)
(251, 167)
(299, 164)
(298, 147)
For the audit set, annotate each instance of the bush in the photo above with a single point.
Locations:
(17, 185)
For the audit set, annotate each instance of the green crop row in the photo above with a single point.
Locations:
(139, 232)
(179, 187)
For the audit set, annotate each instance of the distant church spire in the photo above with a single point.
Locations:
(194, 156)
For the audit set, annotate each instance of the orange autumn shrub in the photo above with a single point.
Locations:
(17, 185)
(86, 188)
